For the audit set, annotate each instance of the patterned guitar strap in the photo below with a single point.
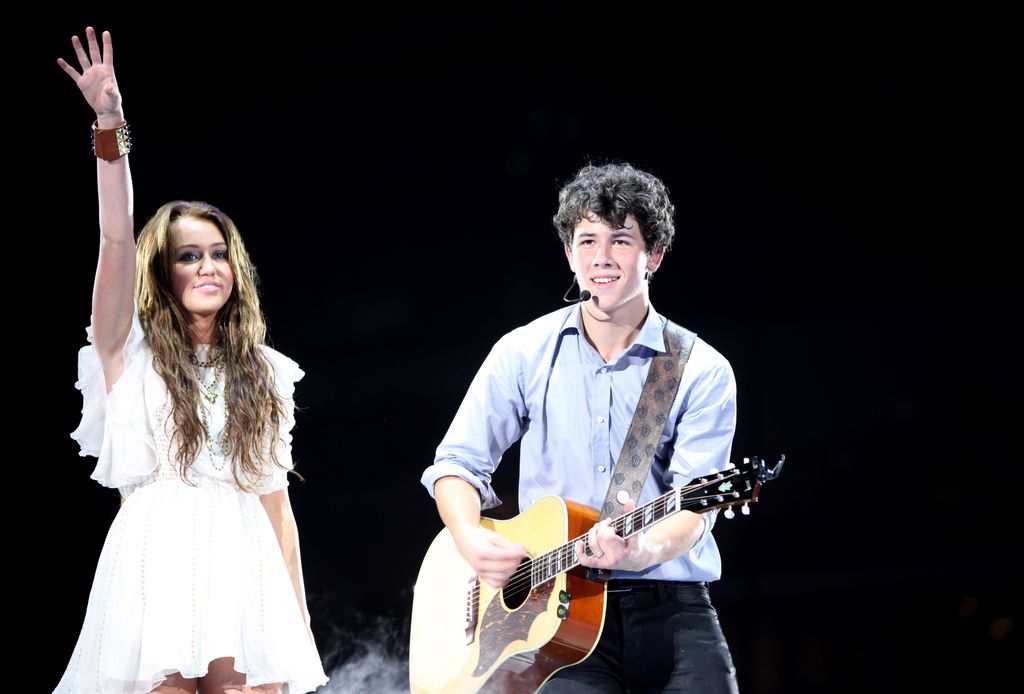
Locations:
(649, 419)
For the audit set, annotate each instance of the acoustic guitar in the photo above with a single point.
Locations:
(469, 637)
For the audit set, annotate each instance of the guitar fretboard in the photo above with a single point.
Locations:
(706, 494)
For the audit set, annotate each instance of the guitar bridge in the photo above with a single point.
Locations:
(472, 608)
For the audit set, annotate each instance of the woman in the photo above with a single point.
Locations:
(199, 584)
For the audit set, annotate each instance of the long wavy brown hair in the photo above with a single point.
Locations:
(257, 410)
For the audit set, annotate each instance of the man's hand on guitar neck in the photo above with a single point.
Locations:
(663, 542)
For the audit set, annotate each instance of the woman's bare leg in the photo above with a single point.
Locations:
(221, 678)
(176, 684)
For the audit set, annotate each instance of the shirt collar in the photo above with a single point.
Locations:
(652, 333)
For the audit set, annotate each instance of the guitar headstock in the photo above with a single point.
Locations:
(736, 485)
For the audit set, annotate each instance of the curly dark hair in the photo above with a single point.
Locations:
(611, 192)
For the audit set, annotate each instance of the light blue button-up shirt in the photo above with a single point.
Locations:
(546, 384)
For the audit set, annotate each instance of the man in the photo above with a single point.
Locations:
(568, 384)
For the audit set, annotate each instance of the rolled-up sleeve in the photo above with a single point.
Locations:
(491, 418)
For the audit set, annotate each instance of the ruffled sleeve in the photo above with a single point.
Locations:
(114, 425)
(286, 373)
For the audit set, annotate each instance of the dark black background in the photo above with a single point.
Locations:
(840, 185)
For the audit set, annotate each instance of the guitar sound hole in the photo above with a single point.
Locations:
(517, 589)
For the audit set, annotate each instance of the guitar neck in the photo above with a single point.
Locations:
(705, 494)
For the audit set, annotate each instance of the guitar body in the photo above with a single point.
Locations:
(468, 637)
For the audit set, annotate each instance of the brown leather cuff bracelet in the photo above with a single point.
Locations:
(111, 144)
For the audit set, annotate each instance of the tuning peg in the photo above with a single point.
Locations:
(729, 513)
(730, 465)
(745, 509)
(712, 471)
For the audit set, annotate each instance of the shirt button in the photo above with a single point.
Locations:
(601, 468)
(600, 420)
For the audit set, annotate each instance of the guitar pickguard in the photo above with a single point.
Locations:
(500, 627)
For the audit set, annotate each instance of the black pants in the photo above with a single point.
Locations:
(658, 637)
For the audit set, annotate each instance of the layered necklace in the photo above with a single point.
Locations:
(210, 390)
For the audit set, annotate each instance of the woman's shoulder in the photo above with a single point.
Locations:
(286, 369)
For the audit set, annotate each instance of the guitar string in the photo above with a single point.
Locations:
(524, 572)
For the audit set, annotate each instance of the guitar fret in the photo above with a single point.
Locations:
(648, 514)
(563, 558)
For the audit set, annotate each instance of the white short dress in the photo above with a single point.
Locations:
(189, 572)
